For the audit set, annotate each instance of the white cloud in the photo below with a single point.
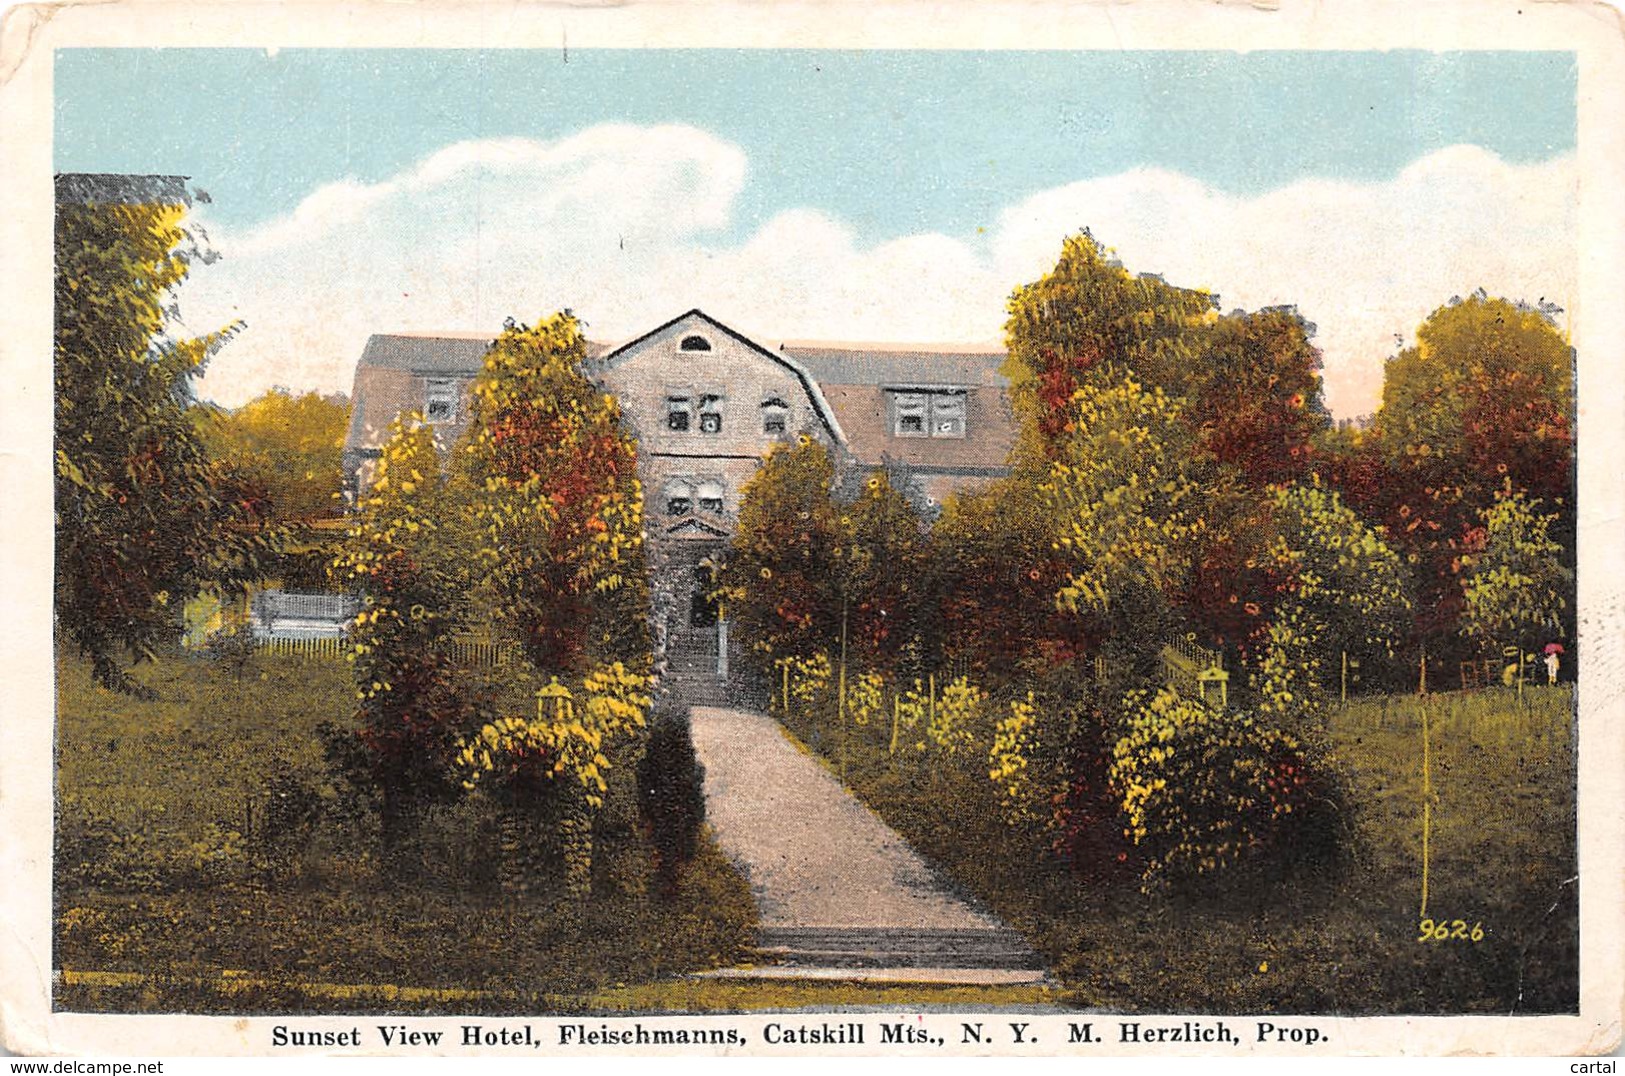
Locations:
(627, 225)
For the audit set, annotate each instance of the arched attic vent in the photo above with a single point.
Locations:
(694, 343)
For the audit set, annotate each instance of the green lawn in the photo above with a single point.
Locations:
(202, 833)
(175, 861)
(1502, 855)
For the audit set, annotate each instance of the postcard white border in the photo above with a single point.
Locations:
(1591, 30)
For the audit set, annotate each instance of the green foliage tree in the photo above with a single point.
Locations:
(1126, 490)
(552, 471)
(1255, 395)
(144, 518)
(1088, 312)
(1349, 590)
(880, 572)
(1484, 398)
(404, 555)
(781, 592)
(1516, 586)
(289, 445)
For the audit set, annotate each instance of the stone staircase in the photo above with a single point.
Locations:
(691, 669)
(896, 947)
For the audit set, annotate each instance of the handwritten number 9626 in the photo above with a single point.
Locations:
(1449, 930)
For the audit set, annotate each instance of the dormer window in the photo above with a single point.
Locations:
(948, 415)
(678, 413)
(928, 413)
(694, 343)
(909, 413)
(710, 413)
(440, 400)
(775, 416)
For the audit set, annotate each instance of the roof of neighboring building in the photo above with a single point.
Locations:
(456, 352)
(116, 188)
(899, 364)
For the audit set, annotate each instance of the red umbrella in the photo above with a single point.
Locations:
(1554, 648)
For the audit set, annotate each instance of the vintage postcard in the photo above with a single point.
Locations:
(929, 530)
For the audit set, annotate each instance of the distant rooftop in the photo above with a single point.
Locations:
(458, 351)
(114, 188)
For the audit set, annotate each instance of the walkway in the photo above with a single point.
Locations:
(835, 886)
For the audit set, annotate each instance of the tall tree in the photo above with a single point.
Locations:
(881, 572)
(1516, 586)
(1255, 397)
(781, 593)
(558, 503)
(404, 555)
(289, 445)
(1087, 312)
(144, 518)
(1484, 399)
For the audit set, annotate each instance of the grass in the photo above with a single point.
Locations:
(1502, 854)
(202, 833)
(126, 992)
(176, 891)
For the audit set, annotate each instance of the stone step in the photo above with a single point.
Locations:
(867, 947)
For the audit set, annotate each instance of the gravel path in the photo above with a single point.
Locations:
(815, 856)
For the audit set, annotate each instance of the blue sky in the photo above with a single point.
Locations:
(893, 143)
(880, 195)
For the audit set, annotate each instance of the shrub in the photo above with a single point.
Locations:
(1010, 762)
(671, 793)
(1204, 792)
(952, 723)
(866, 698)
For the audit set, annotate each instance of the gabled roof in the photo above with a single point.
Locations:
(826, 414)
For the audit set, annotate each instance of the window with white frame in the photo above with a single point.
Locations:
(710, 496)
(928, 413)
(775, 416)
(440, 400)
(948, 414)
(679, 412)
(710, 412)
(909, 414)
(679, 496)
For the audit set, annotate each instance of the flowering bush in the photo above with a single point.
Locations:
(1015, 739)
(516, 754)
(866, 698)
(951, 724)
(809, 678)
(1203, 792)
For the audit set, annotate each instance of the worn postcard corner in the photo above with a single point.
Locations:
(690, 530)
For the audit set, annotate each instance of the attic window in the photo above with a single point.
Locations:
(909, 409)
(694, 343)
(775, 416)
(679, 498)
(440, 400)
